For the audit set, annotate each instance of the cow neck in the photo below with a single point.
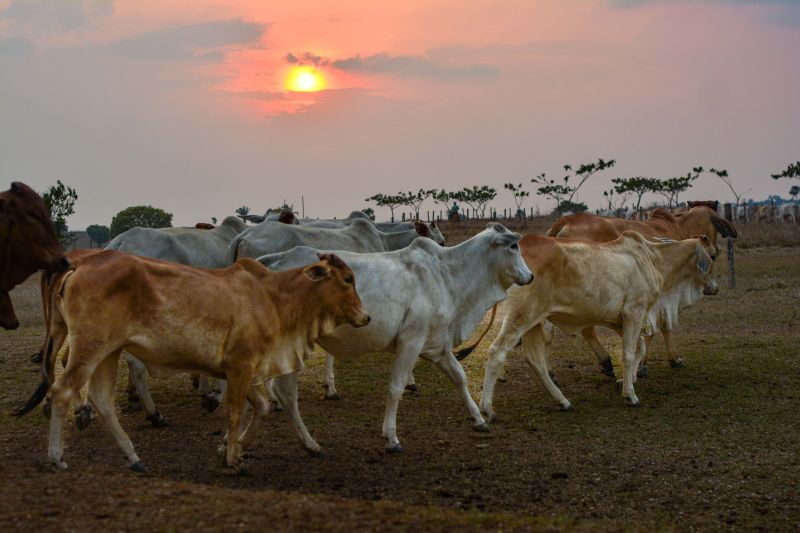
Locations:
(398, 239)
(470, 282)
(299, 318)
(669, 263)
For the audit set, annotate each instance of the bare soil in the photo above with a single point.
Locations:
(716, 445)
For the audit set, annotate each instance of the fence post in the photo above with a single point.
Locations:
(731, 257)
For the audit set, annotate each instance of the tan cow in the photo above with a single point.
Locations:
(28, 243)
(700, 220)
(243, 323)
(581, 284)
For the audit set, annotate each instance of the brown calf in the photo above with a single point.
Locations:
(243, 323)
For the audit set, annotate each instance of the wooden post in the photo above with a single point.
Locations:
(728, 208)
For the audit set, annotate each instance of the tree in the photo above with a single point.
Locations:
(414, 199)
(616, 205)
(568, 206)
(144, 216)
(726, 179)
(243, 211)
(476, 197)
(519, 196)
(672, 188)
(60, 202)
(369, 212)
(388, 200)
(792, 171)
(98, 234)
(563, 191)
(637, 186)
(794, 191)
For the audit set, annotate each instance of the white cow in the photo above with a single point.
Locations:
(424, 301)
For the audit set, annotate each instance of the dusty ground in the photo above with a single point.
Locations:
(716, 445)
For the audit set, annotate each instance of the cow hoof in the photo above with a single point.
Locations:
(567, 407)
(138, 467)
(36, 358)
(481, 428)
(157, 420)
(632, 403)
(677, 363)
(607, 368)
(412, 387)
(641, 372)
(58, 465)
(209, 403)
(335, 396)
(490, 418)
(502, 379)
(317, 454)
(84, 417)
(397, 448)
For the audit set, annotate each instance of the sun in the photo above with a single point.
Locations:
(304, 79)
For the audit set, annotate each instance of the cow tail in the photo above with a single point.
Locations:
(463, 353)
(48, 357)
(233, 249)
(41, 391)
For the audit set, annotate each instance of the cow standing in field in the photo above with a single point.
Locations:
(28, 243)
(580, 284)
(360, 236)
(701, 220)
(243, 323)
(424, 300)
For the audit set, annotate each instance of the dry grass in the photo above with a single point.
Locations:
(715, 445)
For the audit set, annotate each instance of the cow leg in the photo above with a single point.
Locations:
(630, 345)
(510, 332)
(211, 398)
(330, 382)
(455, 372)
(257, 398)
(134, 403)
(674, 359)
(65, 391)
(411, 385)
(534, 349)
(138, 376)
(238, 385)
(101, 396)
(286, 389)
(603, 357)
(403, 365)
(641, 368)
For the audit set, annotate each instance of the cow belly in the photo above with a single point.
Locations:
(575, 324)
(166, 360)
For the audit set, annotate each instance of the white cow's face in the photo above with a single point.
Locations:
(510, 265)
(704, 263)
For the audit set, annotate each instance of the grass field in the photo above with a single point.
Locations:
(715, 445)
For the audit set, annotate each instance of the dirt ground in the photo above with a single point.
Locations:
(715, 445)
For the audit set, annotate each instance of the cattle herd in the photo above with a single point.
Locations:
(246, 306)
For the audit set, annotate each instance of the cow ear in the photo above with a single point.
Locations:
(317, 272)
(506, 239)
(433, 224)
(286, 217)
(703, 260)
(15, 187)
(422, 229)
(724, 227)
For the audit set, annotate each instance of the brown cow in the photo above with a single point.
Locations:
(28, 243)
(243, 323)
(698, 221)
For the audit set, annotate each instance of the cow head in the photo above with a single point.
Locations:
(28, 240)
(430, 231)
(505, 248)
(336, 290)
(706, 254)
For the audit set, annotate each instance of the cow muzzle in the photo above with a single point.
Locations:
(59, 265)
(362, 319)
(711, 289)
(525, 280)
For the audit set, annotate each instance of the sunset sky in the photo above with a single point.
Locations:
(193, 105)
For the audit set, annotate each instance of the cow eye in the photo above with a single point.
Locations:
(349, 279)
(515, 246)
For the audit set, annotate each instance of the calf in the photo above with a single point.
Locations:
(243, 323)
(578, 285)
